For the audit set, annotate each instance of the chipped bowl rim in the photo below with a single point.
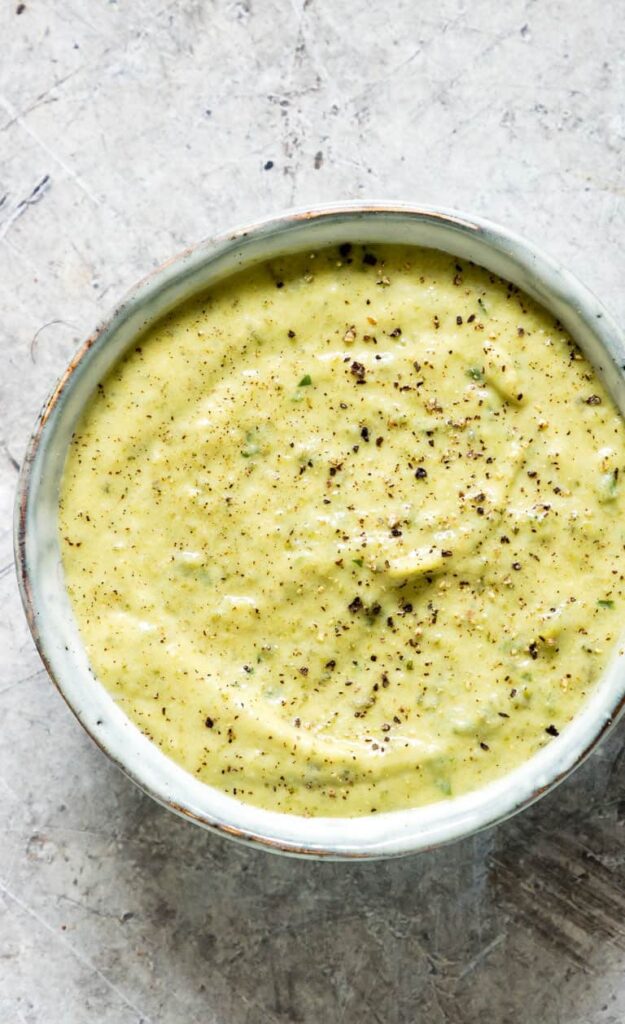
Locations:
(38, 558)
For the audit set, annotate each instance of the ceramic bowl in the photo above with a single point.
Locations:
(39, 558)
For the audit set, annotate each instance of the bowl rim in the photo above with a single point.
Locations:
(467, 814)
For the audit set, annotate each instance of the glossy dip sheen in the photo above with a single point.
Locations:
(345, 534)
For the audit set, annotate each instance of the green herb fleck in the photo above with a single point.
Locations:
(358, 562)
(606, 604)
(251, 446)
(482, 307)
(475, 373)
(305, 381)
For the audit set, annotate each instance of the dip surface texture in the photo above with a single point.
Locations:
(345, 533)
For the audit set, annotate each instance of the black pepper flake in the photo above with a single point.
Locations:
(446, 554)
(421, 473)
(209, 722)
(504, 539)
(516, 566)
(395, 333)
(379, 441)
(331, 664)
(345, 248)
(484, 746)
(459, 320)
(279, 284)
(480, 510)
(396, 532)
(303, 671)
(268, 165)
(551, 729)
(471, 318)
(370, 259)
(593, 400)
(291, 334)
(355, 605)
(364, 433)
(358, 370)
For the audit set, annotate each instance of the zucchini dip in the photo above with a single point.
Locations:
(344, 534)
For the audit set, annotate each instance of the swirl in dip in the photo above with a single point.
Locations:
(345, 533)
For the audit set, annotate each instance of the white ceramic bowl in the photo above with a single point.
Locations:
(39, 559)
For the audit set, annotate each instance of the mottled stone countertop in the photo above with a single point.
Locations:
(127, 131)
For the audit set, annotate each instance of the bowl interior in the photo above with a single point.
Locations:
(39, 558)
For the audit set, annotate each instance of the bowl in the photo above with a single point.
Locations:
(38, 554)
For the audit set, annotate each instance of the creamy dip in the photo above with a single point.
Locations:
(345, 533)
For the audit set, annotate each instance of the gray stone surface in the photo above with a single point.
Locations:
(127, 131)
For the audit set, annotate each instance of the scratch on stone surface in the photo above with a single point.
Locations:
(18, 798)
(26, 834)
(43, 98)
(34, 197)
(13, 461)
(564, 895)
(436, 994)
(50, 323)
(483, 953)
(47, 149)
(11, 898)
(62, 898)
(6, 569)
(304, 44)
(24, 679)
